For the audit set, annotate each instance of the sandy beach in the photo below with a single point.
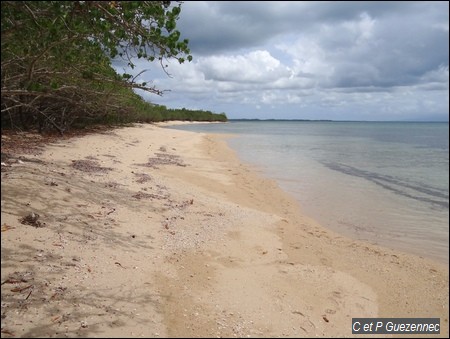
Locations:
(146, 231)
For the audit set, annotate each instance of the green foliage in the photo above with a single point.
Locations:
(189, 115)
(56, 58)
(145, 112)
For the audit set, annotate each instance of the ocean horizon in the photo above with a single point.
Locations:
(382, 182)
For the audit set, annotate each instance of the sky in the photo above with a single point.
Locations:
(363, 60)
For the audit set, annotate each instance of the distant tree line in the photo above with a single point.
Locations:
(147, 113)
(56, 62)
(167, 114)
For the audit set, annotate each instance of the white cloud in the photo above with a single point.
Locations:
(254, 67)
(308, 57)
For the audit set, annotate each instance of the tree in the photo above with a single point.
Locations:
(56, 56)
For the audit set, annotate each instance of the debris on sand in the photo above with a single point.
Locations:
(164, 159)
(32, 220)
(89, 166)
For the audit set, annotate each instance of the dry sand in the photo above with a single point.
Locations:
(152, 232)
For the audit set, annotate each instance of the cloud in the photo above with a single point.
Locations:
(337, 60)
(254, 67)
(222, 26)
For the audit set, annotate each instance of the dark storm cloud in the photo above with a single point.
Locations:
(218, 26)
(407, 39)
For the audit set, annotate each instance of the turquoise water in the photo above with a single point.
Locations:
(384, 182)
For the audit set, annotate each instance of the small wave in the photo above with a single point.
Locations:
(415, 191)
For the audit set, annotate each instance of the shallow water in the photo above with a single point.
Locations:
(385, 182)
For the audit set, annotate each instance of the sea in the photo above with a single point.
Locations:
(383, 182)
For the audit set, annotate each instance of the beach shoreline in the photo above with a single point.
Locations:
(147, 231)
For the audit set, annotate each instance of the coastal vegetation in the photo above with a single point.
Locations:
(56, 62)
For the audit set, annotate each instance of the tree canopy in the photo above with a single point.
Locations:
(56, 57)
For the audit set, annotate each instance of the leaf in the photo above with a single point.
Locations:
(6, 227)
